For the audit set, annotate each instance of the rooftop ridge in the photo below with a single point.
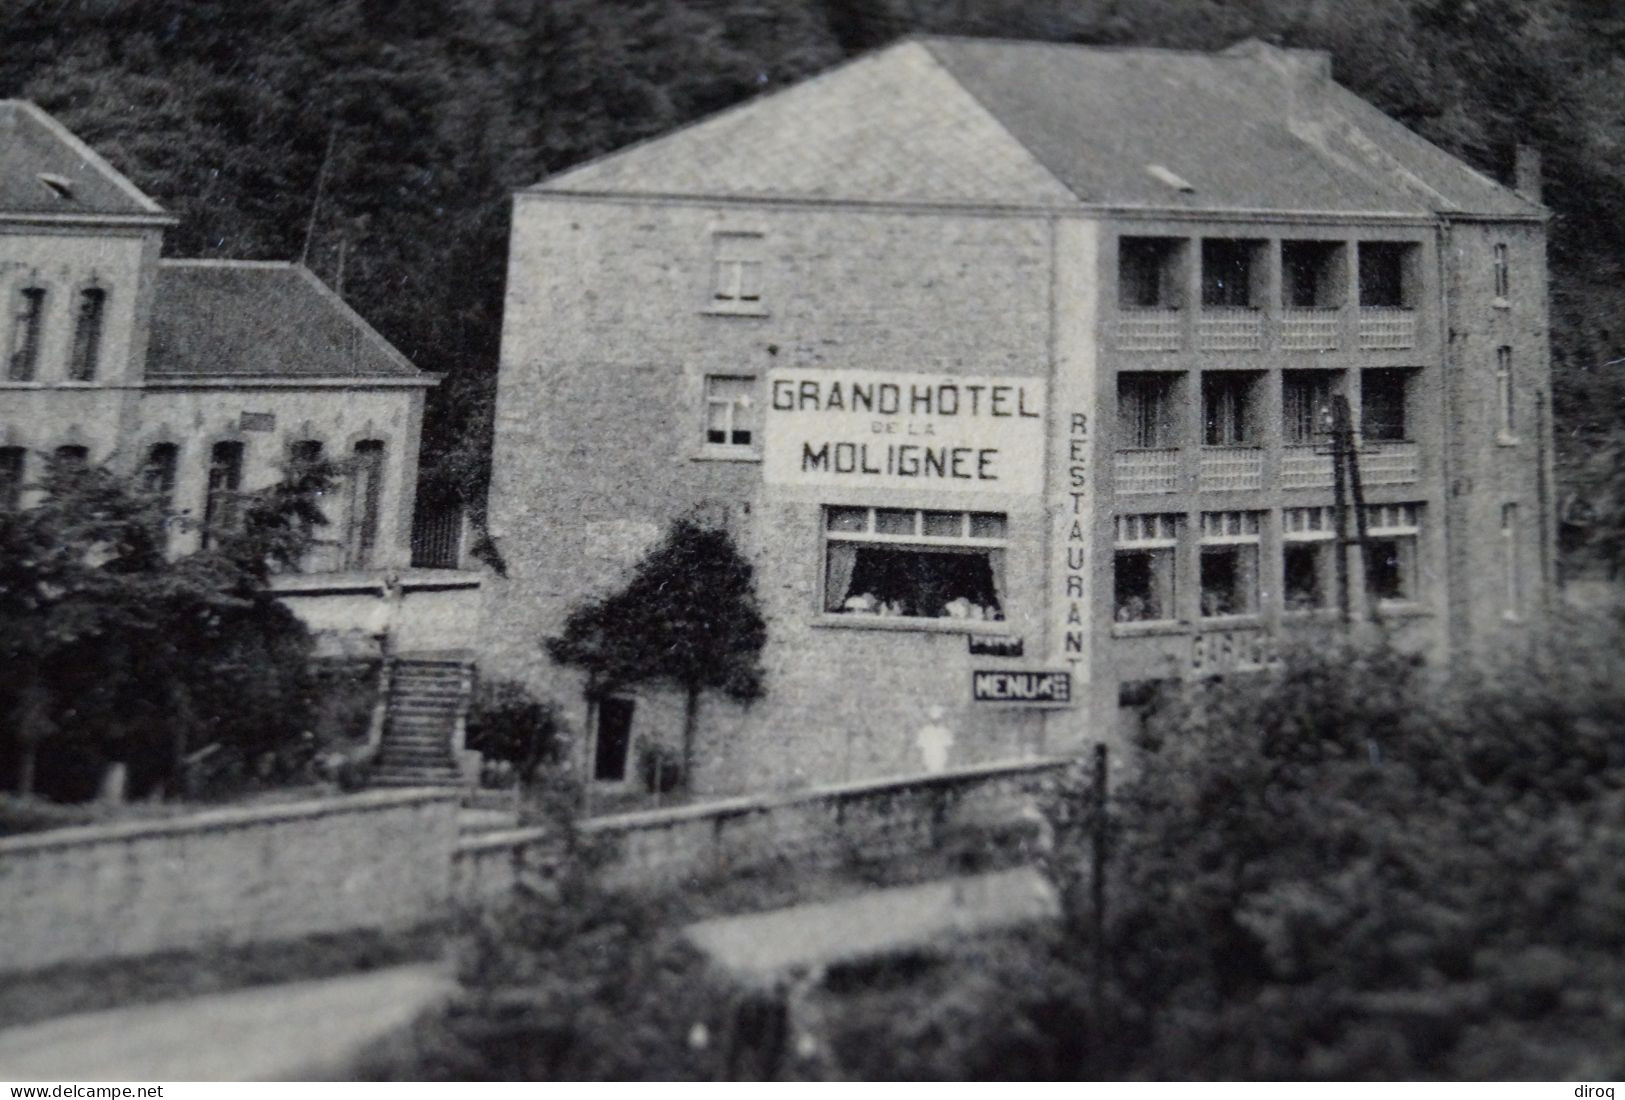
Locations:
(43, 119)
(642, 143)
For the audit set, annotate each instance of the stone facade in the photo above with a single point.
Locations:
(1183, 312)
(914, 290)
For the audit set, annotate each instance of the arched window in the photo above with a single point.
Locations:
(366, 495)
(27, 319)
(158, 475)
(87, 335)
(304, 456)
(225, 479)
(304, 452)
(13, 463)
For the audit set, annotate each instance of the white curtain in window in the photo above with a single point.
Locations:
(843, 558)
(995, 564)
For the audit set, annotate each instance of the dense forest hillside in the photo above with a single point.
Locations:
(428, 114)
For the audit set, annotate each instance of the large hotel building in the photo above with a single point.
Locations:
(1010, 367)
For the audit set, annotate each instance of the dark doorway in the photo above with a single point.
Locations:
(614, 739)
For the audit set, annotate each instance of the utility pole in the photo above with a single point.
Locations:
(316, 203)
(1339, 426)
(1346, 483)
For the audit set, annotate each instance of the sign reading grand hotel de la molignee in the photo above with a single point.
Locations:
(885, 429)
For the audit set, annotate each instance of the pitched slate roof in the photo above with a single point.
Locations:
(952, 120)
(44, 169)
(245, 319)
(888, 125)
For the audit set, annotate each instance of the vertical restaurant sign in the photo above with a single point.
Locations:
(1074, 518)
(1073, 568)
(895, 430)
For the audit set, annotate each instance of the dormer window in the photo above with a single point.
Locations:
(60, 186)
(28, 317)
(87, 335)
(737, 273)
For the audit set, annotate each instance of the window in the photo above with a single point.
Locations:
(730, 411)
(1227, 408)
(1308, 565)
(1143, 567)
(1506, 414)
(71, 458)
(304, 453)
(1146, 410)
(28, 315)
(1383, 403)
(1229, 553)
(158, 474)
(225, 480)
(1313, 274)
(1502, 275)
(737, 271)
(614, 740)
(87, 335)
(366, 495)
(1509, 560)
(1148, 273)
(1306, 405)
(1387, 274)
(914, 564)
(13, 466)
(1229, 270)
(1391, 572)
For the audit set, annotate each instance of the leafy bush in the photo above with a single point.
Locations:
(117, 653)
(345, 697)
(506, 722)
(586, 986)
(998, 1008)
(1359, 867)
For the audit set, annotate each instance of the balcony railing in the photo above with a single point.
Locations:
(1226, 469)
(1152, 471)
(1305, 467)
(1387, 329)
(1389, 463)
(1230, 329)
(1312, 329)
(1150, 330)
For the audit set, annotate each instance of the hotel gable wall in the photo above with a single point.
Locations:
(610, 333)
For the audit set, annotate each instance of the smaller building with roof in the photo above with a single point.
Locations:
(208, 377)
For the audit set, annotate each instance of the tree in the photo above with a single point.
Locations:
(687, 617)
(116, 652)
(1361, 866)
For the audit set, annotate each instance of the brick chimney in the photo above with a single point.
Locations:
(1526, 172)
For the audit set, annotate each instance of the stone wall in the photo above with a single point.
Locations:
(882, 818)
(369, 861)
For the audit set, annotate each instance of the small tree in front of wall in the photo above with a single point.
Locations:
(687, 617)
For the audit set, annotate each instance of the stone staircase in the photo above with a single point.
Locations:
(428, 699)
